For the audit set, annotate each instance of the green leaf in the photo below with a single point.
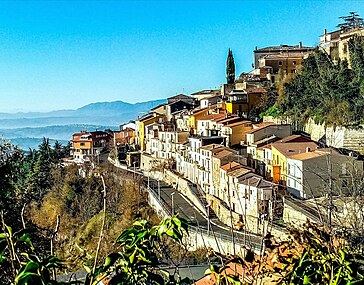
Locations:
(111, 259)
(306, 280)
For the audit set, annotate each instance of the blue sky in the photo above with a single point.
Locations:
(63, 55)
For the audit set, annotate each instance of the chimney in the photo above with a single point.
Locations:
(300, 45)
(308, 149)
(325, 31)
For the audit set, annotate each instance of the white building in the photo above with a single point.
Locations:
(315, 173)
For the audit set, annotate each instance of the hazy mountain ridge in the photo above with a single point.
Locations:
(60, 132)
(27, 129)
(108, 107)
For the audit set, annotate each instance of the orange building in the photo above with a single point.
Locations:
(88, 144)
(124, 136)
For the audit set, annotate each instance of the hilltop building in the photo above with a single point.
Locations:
(88, 145)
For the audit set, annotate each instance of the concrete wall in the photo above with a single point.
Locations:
(339, 137)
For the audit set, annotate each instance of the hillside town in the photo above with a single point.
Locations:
(257, 180)
(257, 172)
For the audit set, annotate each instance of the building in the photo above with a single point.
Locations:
(281, 151)
(88, 145)
(191, 162)
(275, 66)
(167, 144)
(142, 125)
(235, 132)
(317, 172)
(242, 102)
(282, 49)
(262, 135)
(182, 98)
(336, 43)
(205, 94)
(256, 198)
(126, 135)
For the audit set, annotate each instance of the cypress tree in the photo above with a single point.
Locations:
(230, 68)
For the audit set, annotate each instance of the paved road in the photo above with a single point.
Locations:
(182, 206)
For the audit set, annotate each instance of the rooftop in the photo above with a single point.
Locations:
(313, 154)
(230, 166)
(206, 92)
(235, 124)
(255, 180)
(224, 153)
(283, 48)
(239, 171)
(290, 149)
(257, 127)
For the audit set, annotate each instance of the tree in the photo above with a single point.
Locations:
(352, 21)
(58, 152)
(230, 68)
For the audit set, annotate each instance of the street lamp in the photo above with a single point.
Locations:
(159, 189)
(134, 166)
(208, 219)
(172, 194)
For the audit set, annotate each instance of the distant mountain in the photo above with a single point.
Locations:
(120, 106)
(100, 113)
(105, 108)
(27, 129)
(63, 132)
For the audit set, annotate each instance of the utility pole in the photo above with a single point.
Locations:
(172, 194)
(208, 219)
(329, 212)
(159, 189)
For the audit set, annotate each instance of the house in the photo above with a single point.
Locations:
(316, 172)
(167, 144)
(261, 135)
(280, 153)
(281, 49)
(208, 124)
(205, 93)
(235, 132)
(255, 200)
(87, 145)
(336, 43)
(210, 101)
(274, 66)
(221, 156)
(141, 127)
(188, 165)
(182, 98)
(229, 173)
(126, 135)
(242, 102)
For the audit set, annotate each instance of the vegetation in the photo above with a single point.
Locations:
(352, 21)
(329, 93)
(230, 68)
(311, 256)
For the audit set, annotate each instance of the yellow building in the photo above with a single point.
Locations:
(280, 153)
(241, 102)
(336, 44)
(142, 123)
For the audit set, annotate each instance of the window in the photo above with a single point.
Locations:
(82, 144)
(294, 62)
(280, 63)
(293, 71)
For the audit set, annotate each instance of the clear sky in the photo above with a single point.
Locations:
(63, 55)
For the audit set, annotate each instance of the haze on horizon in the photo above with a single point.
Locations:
(63, 55)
